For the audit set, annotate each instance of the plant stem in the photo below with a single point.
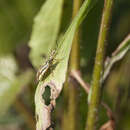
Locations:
(74, 56)
(70, 116)
(98, 67)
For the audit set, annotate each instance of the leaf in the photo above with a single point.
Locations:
(117, 55)
(10, 84)
(45, 30)
(56, 77)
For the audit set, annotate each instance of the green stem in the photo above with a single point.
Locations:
(98, 68)
(70, 116)
(74, 57)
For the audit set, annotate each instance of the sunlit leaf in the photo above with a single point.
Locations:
(45, 31)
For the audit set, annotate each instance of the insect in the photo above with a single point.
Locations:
(44, 68)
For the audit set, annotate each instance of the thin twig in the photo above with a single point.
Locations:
(121, 45)
(117, 55)
(76, 75)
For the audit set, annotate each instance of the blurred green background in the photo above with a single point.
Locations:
(17, 75)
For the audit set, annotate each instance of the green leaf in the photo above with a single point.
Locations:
(117, 55)
(56, 76)
(10, 84)
(45, 31)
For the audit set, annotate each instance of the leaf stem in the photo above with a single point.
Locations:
(98, 68)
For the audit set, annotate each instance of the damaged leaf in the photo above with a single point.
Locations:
(54, 73)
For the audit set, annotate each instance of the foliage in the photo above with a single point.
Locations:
(53, 29)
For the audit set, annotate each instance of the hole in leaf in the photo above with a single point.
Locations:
(46, 95)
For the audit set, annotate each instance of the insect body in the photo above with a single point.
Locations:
(44, 68)
(42, 71)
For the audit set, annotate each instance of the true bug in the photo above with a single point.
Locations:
(44, 68)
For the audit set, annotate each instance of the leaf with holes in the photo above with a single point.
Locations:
(54, 72)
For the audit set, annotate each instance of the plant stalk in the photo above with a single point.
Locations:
(70, 117)
(74, 56)
(98, 67)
